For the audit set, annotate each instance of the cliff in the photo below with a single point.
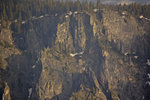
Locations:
(79, 56)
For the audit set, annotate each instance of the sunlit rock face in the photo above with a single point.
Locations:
(120, 1)
(125, 1)
(78, 56)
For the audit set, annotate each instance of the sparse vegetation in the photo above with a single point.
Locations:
(134, 9)
(21, 10)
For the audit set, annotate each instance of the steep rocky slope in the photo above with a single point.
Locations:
(7, 48)
(82, 56)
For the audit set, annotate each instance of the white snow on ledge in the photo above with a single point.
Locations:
(30, 92)
(148, 75)
(95, 10)
(148, 62)
(147, 83)
(33, 66)
(74, 54)
(142, 17)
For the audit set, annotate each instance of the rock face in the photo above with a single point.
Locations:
(84, 56)
(6, 95)
(7, 48)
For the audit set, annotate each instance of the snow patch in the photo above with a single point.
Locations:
(33, 66)
(148, 62)
(141, 16)
(148, 75)
(126, 53)
(41, 16)
(136, 57)
(30, 92)
(56, 14)
(15, 20)
(70, 13)
(148, 82)
(66, 16)
(75, 12)
(74, 54)
(124, 13)
(23, 22)
(95, 10)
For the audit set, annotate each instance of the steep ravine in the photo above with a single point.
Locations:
(83, 56)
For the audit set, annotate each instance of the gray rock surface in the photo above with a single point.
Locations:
(109, 63)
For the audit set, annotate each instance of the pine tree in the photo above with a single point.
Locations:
(19, 22)
(98, 4)
(4, 22)
(4, 17)
(78, 5)
(85, 5)
(5, 14)
(67, 5)
(91, 5)
(10, 14)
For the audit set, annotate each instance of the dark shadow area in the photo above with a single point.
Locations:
(21, 75)
(24, 70)
(36, 34)
(1, 90)
(100, 15)
(77, 80)
(72, 25)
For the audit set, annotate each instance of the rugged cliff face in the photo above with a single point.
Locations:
(81, 56)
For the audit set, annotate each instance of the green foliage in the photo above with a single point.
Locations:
(19, 23)
(1, 64)
(22, 10)
(134, 9)
(11, 9)
(5, 44)
(25, 9)
(98, 4)
(4, 22)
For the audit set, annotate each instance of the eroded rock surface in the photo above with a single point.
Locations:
(84, 56)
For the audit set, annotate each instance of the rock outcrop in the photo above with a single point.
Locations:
(6, 95)
(7, 49)
(84, 56)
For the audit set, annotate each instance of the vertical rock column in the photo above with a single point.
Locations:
(6, 94)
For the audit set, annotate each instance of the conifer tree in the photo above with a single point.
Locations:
(4, 17)
(98, 4)
(67, 5)
(4, 13)
(77, 4)
(19, 22)
(85, 5)
(10, 14)
(4, 22)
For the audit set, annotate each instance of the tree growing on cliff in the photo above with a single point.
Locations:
(98, 4)
(19, 22)
(4, 17)
(77, 5)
